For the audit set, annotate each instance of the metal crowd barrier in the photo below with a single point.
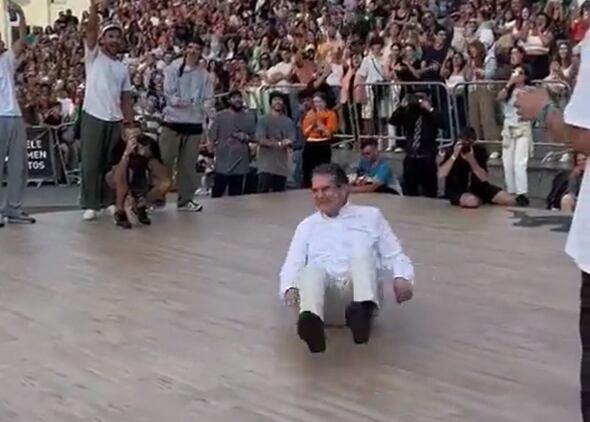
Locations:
(471, 103)
(475, 104)
(383, 98)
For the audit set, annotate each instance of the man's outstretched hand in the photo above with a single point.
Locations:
(291, 297)
(529, 103)
(403, 289)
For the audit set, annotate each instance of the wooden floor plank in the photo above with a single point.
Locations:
(181, 322)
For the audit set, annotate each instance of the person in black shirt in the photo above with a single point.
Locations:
(420, 124)
(137, 175)
(465, 171)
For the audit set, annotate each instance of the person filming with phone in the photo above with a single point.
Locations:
(465, 171)
(421, 124)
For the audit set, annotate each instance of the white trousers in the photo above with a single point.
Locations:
(328, 297)
(517, 143)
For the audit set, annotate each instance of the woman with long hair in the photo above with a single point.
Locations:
(517, 137)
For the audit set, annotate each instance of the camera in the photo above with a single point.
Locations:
(465, 147)
(413, 100)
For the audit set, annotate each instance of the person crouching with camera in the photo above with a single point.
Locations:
(465, 171)
(137, 176)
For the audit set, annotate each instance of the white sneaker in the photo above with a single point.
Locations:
(495, 155)
(111, 209)
(191, 206)
(89, 215)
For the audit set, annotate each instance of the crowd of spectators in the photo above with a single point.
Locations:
(361, 55)
(333, 46)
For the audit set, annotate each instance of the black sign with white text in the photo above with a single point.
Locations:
(39, 155)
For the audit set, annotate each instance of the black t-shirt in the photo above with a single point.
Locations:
(137, 162)
(461, 178)
(404, 74)
(430, 56)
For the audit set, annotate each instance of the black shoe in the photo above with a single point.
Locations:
(121, 219)
(142, 216)
(522, 201)
(310, 328)
(1, 221)
(359, 316)
(21, 218)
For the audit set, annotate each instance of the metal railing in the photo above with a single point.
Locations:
(475, 104)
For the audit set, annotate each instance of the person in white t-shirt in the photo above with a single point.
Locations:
(107, 103)
(13, 134)
(574, 126)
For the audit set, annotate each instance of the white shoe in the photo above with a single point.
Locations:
(89, 215)
(111, 209)
(495, 155)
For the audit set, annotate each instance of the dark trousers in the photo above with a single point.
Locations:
(234, 183)
(268, 182)
(420, 175)
(314, 154)
(585, 339)
(99, 138)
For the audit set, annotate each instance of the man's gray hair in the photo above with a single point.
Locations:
(334, 170)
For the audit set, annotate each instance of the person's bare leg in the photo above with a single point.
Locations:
(504, 198)
(160, 180)
(469, 200)
(568, 203)
(117, 180)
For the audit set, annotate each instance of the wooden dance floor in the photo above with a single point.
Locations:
(180, 322)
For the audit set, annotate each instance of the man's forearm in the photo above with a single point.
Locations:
(445, 168)
(366, 188)
(577, 137)
(480, 173)
(92, 26)
(127, 107)
(556, 125)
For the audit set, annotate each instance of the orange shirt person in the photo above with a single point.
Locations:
(319, 125)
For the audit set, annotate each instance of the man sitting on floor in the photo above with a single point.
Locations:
(465, 169)
(341, 245)
(137, 165)
(374, 173)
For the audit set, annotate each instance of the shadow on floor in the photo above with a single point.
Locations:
(560, 222)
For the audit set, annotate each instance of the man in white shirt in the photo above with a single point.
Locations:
(13, 133)
(107, 103)
(343, 247)
(574, 126)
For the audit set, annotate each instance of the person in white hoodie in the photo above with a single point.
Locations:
(186, 86)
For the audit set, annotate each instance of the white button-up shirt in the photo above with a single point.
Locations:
(331, 243)
(577, 114)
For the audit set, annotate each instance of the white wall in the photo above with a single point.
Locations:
(44, 12)
(4, 22)
(77, 6)
(39, 13)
